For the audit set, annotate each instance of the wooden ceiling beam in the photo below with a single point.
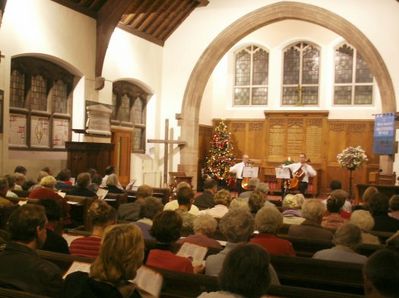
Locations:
(172, 14)
(107, 19)
(154, 16)
(141, 34)
(129, 14)
(162, 15)
(177, 21)
(132, 14)
(145, 16)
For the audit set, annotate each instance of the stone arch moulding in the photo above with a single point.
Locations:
(250, 22)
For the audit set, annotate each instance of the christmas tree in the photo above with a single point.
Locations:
(220, 156)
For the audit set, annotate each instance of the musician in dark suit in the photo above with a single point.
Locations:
(302, 171)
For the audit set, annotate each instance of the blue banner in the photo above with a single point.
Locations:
(384, 134)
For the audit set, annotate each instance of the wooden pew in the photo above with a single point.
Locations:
(116, 199)
(79, 206)
(10, 293)
(158, 192)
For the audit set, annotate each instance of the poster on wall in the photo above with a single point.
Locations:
(17, 134)
(60, 132)
(39, 136)
(384, 134)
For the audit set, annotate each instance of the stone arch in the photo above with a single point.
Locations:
(250, 22)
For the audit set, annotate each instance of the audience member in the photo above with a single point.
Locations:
(292, 213)
(32, 185)
(346, 239)
(394, 207)
(204, 229)
(206, 200)
(364, 220)
(81, 187)
(256, 201)
(121, 254)
(381, 274)
(54, 242)
(237, 203)
(335, 184)
(244, 273)
(313, 211)
(100, 215)
(378, 206)
(96, 180)
(4, 201)
(47, 170)
(150, 208)
(108, 171)
(333, 219)
(222, 202)
(113, 185)
(368, 193)
(173, 204)
(64, 182)
(268, 221)
(342, 197)
(21, 170)
(166, 230)
(252, 184)
(11, 184)
(131, 211)
(21, 267)
(19, 181)
(185, 196)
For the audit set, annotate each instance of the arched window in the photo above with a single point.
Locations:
(353, 79)
(301, 74)
(40, 104)
(251, 76)
(129, 110)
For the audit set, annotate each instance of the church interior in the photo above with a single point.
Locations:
(142, 85)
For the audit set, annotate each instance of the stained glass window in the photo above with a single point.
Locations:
(38, 93)
(353, 78)
(60, 97)
(251, 76)
(138, 111)
(301, 74)
(17, 89)
(124, 109)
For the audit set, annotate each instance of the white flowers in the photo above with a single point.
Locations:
(352, 157)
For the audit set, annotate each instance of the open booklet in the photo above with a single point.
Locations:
(194, 252)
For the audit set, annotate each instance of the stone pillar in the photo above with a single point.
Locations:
(98, 120)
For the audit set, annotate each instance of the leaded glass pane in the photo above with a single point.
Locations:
(342, 95)
(138, 111)
(138, 137)
(38, 94)
(241, 96)
(243, 68)
(290, 95)
(291, 66)
(60, 100)
(363, 74)
(310, 65)
(310, 95)
(260, 67)
(363, 95)
(17, 97)
(114, 107)
(259, 96)
(124, 109)
(343, 64)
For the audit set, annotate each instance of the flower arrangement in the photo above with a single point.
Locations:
(352, 158)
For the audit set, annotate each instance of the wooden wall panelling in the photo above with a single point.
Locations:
(255, 139)
(204, 144)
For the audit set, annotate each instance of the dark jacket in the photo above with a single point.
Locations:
(81, 191)
(205, 200)
(22, 269)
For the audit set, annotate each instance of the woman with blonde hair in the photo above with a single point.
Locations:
(121, 254)
(222, 202)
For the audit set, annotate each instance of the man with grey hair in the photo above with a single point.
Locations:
(237, 226)
(346, 239)
(252, 184)
(313, 211)
(238, 170)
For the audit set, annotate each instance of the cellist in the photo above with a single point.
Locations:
(238, 170)
(301, 171)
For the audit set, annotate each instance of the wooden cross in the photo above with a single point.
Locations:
(166, 142)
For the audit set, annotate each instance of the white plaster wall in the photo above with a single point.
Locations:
(275, 37)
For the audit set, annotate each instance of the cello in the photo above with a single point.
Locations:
(297, 177)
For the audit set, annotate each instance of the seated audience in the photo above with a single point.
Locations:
(4, 201)
(381, 274)
(268, 221)
(54, 242)
(113, 185)
(108, 171)
(19, 181)
(378, 206)
(367, 194)
(173, 204)
(222, 202)
(47, 170)
(131, 211)
(81, 187)
(263, 188)
(204, 228)
(121, 254)
(394, 207)
(252, 184)
(185, 196)
(346, 240)
(341, 196)
(101, 215)
(364, 220)
(151, 208)
(237, 203)
(21, 267)
(206, 200)
(313, 211)
(335, 184)
(31, 185)
(64, 182)
(11, 184)
(256, 201)
(166, 230)
(20, 170)
(244, 273)
(292, 213)
(333, 219)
